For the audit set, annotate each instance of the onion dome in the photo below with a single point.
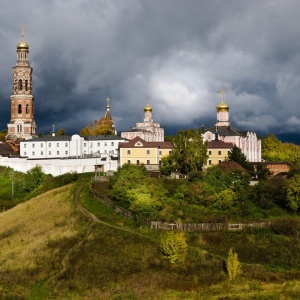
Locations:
(22, 45)
(147, 108)
(222, 106)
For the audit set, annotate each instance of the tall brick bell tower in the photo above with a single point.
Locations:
(22, 124)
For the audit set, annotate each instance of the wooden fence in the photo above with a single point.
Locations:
(182, 226)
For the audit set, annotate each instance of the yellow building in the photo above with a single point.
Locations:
(217, 152)
(139, 151)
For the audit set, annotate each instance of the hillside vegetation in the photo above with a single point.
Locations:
(49, 250)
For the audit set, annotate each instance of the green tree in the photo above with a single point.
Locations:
(238, 156)
(166, 166)
(128, 177)
(293, 193)
(233, 265)
(174, 247)
(3, 134)
(189, 152)
(33, 178)
(60, 132)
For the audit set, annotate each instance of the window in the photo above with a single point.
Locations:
(26, 85)
(24, 145)
(66, 144)
(128, 161)
(209, 161)
(128, 152)
(91, 145)
(24, 153)
(20, 85)
(105, 151)
(160, 152)
(66, 152)
(148, 151)
(42, 145)
(33, 153)
(209, 152)
(57, 152)
(33, 145)
(57, 144)
(49, 152)
(148, 162)
(112, 143)
(27, 109)
(84, 145)
(49, 145)
(98, 144)
(219, 160)
(112, 151)
(42, 153)
(138, 162)
(219, 152)
(105, 144)
(19, 109)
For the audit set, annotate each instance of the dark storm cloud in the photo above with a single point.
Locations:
(180, 53)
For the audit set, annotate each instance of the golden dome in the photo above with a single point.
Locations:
(222, 106)
(147, 108)
(22, 46)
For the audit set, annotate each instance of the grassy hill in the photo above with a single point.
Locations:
(49, 249)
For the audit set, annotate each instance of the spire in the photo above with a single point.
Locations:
(107, 104)
(53, 130)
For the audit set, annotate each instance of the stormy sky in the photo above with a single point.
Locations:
(179, 53)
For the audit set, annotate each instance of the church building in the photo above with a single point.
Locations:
(247, 141)
(147, 130)
(22, 125)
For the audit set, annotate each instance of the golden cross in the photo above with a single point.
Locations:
(107, 101)
(222, 95)
(148, 99)
(22, 31)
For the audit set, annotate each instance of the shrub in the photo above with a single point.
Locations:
(233, 265)
(174, 246)
(286, 226)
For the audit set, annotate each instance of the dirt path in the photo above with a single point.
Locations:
(92, 221)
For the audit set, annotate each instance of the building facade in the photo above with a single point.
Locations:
(217, 152)
(148, 130)
(22, 124)
(70, 146)
(247, 141)
(139, 151)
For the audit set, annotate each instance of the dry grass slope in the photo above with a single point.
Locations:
(27, 230)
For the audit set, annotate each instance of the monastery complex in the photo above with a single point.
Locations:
(143, 144)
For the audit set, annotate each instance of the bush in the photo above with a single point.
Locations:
(286, 226)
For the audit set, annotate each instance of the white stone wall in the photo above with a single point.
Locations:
(58, 167)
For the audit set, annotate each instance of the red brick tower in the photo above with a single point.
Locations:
(22, 124)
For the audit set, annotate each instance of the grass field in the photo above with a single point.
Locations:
(48, 250)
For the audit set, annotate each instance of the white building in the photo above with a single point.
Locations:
(62, 154)
(147, 130)
(70, 146)
(246, 140)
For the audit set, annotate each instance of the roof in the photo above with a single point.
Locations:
(227, 131)
(145, 144)
(217, 144)
(103, 137)
(6, 150)
(231, 165)
(49, 138)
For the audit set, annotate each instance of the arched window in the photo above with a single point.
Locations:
(20, 85)
(26, 85)
(27, 109)
(19, 108)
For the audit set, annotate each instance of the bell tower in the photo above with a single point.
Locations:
(22, 124)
